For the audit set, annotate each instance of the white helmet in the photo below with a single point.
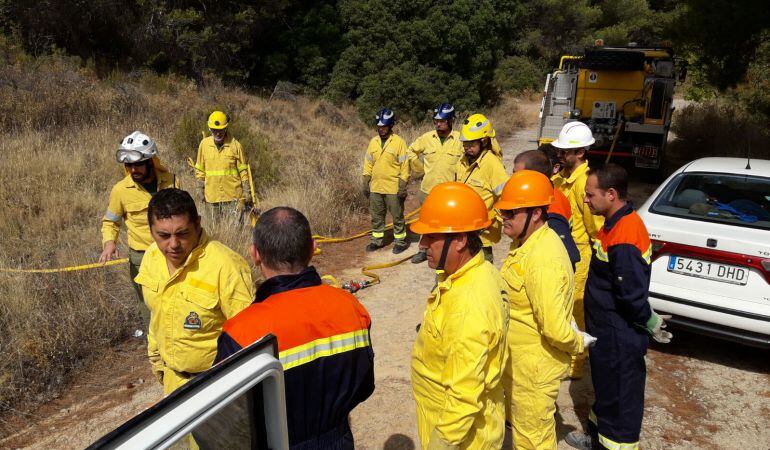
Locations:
(136, 147)
(574, 135)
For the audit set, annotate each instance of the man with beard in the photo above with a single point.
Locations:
(573, 144)
(145, 176)
(440, 149)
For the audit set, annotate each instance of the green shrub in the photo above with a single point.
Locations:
(518, 74)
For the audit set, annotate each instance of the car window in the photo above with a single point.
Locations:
(237, 404)
(738, 200)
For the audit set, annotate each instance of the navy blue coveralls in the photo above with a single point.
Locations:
(617, 311)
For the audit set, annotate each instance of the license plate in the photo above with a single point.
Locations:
(708, 270)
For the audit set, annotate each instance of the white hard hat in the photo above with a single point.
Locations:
(136, 147)
(574, 135)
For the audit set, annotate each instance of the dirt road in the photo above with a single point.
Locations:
(701, 392)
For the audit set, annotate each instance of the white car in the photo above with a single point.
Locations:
(709, 224)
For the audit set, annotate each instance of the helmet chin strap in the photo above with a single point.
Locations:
(526, 224)
(444, 253)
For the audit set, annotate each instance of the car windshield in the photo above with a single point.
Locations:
(732, 199)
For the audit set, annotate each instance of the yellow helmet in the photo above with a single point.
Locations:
(476, 127)
(218, 120)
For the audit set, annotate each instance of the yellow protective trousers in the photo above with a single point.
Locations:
(581, 276)
(532, 378)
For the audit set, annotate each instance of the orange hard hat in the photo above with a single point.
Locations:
(525, 189)
(452, 207)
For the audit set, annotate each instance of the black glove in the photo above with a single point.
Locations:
(401, 190)
(367, 180)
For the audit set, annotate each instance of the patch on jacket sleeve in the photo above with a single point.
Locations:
(192, 321)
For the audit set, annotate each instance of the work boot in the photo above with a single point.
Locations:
(399, 247)
(374, 246)
(582, 441)
(420, 256)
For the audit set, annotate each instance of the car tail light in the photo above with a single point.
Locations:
(660, 248)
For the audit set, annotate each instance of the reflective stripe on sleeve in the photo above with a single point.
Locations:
(401, 159)
(369, 157)
(499, 188)
(109, 215)
(243, 166)
(221, 173)
(320, 348)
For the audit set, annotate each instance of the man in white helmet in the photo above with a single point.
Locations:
(145, 176)
(572, 146)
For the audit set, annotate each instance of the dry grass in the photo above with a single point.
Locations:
(716, 128)
(60, 127)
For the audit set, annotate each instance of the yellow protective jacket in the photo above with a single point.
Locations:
(223, 169)
(438, 160)
(487, 177)
(386, 164)
(189, 307)
(128, 203)
(539, 280)
(585, 226)
(458, 359)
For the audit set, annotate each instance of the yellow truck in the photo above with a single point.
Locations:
(624, 94)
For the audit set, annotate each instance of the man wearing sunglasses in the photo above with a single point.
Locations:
(145, 176)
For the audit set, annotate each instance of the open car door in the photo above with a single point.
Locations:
(238, 404)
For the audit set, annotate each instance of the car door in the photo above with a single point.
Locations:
(238, 404)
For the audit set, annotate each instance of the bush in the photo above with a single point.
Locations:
(517, 74)
(716, 128)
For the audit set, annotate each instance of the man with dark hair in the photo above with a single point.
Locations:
(559, 211)
(458, 356)
(618, 314)
(540, 338)
(191, 285)
(322, 331)
(145, 176)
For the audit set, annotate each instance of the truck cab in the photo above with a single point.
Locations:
(624, 94)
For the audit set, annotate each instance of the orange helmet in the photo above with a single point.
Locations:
(452, 207)
(525, 189)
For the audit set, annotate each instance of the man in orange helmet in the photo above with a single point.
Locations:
(459, 354)
(541, 335)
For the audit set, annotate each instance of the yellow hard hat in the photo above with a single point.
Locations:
(218, 120)
(476, 127)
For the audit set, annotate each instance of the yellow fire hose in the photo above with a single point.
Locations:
(68, 269)
(351, 286)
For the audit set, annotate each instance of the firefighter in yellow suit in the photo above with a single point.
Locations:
(145, 176)
(459, 353)
(539, 280)
(482, 170)
(221, 166)
(572, 144)
(384, 178)
(191, 285)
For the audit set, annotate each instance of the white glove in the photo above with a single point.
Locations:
(588, 340)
